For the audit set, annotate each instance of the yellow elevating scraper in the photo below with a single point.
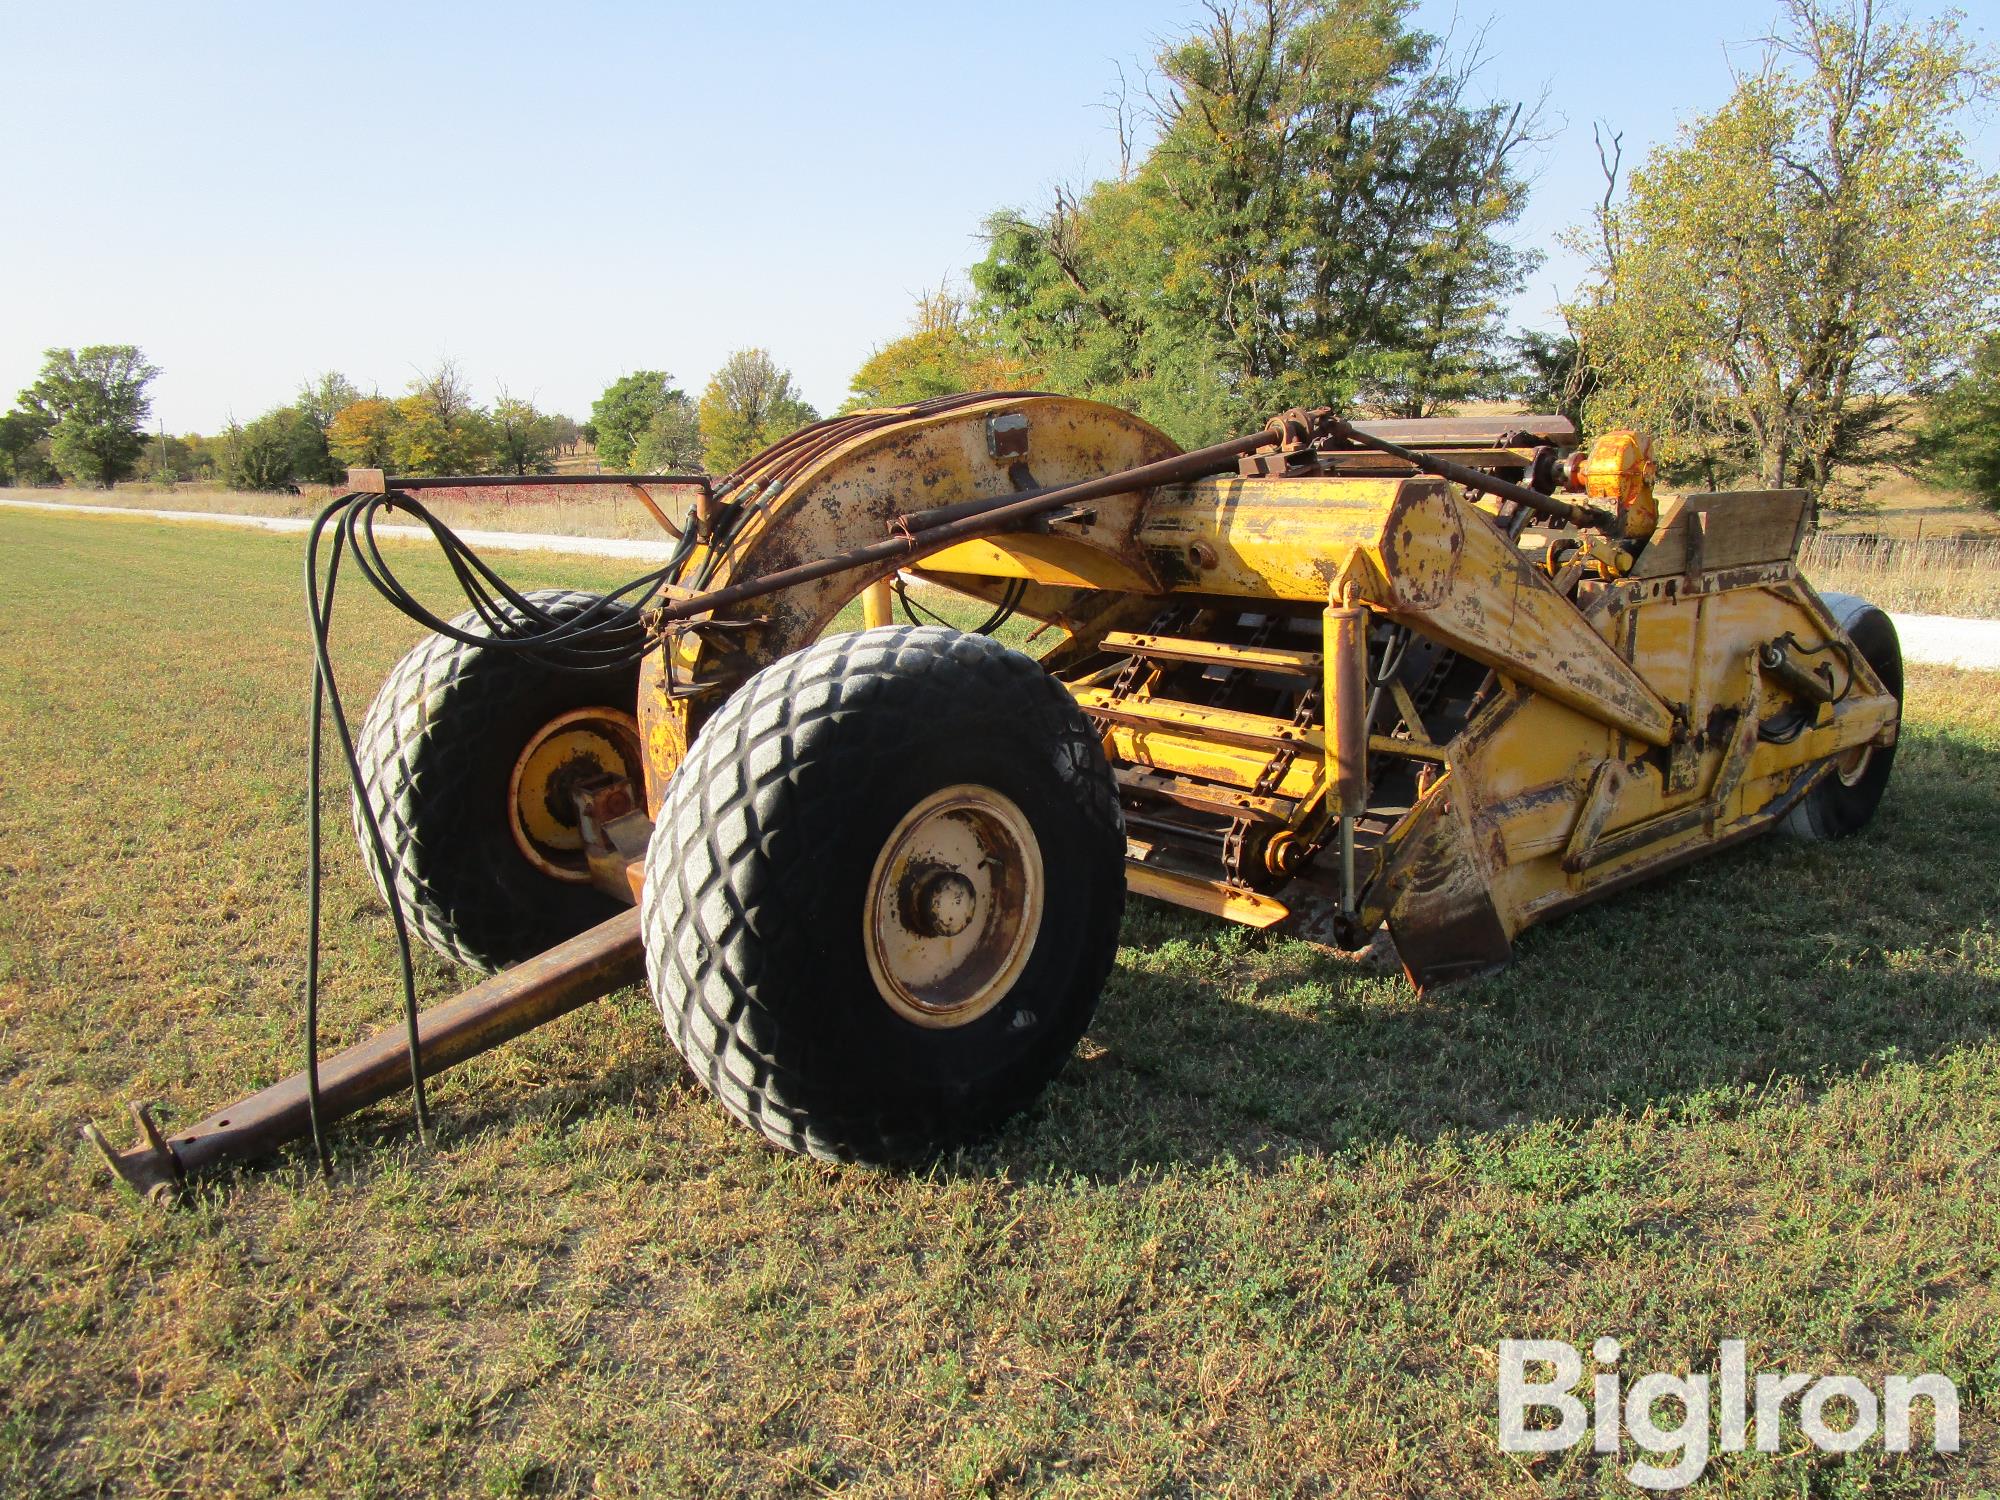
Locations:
(1450, 677)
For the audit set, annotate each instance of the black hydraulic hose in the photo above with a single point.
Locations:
(326, 691)
(607, 635)
(610, 633)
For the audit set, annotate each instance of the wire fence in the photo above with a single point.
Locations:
(1921, 575)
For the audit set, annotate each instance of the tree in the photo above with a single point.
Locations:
(439, 430)
(363, 433)
(24, 447)
(625, 410)
(95, 403)
(424, 441)
(524, 439)
(171, 460)
(1319, 218)
(272, 453)
(1551, 374)
(750, 403)
(950, 348)
(1772, 286)
(325, 397)
(1959, 440)
(320, 400)
(671, 443)
(207, 456)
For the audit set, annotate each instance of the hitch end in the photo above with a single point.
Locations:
(151, 1167)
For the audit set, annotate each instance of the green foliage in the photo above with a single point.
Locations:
(1319, 219)
(750, 403)
(325, 397)
(24, 447)
(174, 460)
(275, 452)
(1959, 441)
(626, 409)
(1770, 286)
(671, 442)
(565, 432)
(426, 442)
(1551, 374)
(96, 404)
(320, 400)
(206, 455)
(524, 439)
(950, 348)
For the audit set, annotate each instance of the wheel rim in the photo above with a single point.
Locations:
(953, 905)
(565, 753)
(1850, 766)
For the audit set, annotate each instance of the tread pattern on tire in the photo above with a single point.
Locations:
(773, 752)
(426, 720)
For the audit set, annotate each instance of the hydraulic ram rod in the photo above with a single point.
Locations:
(569, 975)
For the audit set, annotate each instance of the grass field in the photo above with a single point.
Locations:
(1262, 1237)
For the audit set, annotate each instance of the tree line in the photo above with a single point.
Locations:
(84, 421)
(1314, 205)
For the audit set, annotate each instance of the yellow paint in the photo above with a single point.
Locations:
(1621, 731)
(1186, 755)
(1620, 469)
(1217, 900)
(1065, 561)
(878, 605)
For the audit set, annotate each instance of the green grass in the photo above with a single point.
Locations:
(1262, 1237)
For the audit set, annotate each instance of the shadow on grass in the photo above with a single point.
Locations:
(1775, 960)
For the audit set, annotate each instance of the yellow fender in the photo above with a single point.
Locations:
(849, 482)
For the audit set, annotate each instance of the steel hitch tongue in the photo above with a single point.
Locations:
(587, 967)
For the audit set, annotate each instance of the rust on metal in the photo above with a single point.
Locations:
(551, 984)
(1337, 688)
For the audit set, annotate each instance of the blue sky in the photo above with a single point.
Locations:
(555, 195)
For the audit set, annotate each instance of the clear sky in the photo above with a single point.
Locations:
(553, 195)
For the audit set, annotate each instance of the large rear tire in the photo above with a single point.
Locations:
(468, 757)
(884, 892)
(1845, 799)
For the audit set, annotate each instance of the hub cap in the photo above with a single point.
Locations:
(561, 756)
(953, 905)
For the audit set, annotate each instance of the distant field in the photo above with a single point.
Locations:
(616, 515)
(1960, 578)
(1933, 577)
(1261, 1238)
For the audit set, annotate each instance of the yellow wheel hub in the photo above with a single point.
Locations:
(953, 906)
(1851, 765)
(564, 754)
